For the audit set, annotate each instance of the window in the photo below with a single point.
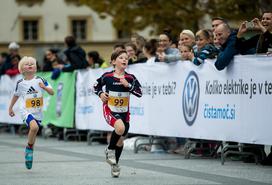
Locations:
(123, 34)
(79, 29)
(30, 30)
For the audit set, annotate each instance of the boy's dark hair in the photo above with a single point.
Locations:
(116, 54)
(70, 41)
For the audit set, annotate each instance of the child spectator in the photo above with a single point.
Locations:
(186, 52)
(13, 71)
(13, 50)
(205, 48)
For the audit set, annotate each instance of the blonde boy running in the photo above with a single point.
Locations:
(30, 89)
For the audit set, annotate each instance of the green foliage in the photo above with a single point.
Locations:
(134, 15)
(233, 9)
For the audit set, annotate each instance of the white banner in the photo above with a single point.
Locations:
(89, 114)
(184, 100)
(7, 87)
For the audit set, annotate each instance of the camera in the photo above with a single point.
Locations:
(250, 25)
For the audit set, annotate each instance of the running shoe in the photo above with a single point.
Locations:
(110, 156)
(28, 157)
(115, 170)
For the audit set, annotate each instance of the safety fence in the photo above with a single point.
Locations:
(179, 100)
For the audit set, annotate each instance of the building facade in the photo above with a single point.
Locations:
(40, 24)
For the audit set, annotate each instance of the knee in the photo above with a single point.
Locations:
(34, 127)
(119, 127)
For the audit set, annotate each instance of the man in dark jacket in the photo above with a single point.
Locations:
(76, 56)
(227, 40)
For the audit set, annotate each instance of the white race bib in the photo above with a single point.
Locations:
(118, 101)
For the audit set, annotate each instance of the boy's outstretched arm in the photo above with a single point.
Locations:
(12, 102)
(49, 90)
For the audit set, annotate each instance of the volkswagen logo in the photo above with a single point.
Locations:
(190, 98)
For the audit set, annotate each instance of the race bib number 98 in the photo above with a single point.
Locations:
(34, 103)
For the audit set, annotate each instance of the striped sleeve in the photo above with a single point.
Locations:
(136, 87)
(98, 85)
(17, 91)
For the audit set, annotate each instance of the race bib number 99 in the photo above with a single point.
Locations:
(118, 101)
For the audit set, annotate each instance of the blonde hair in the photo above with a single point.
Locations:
(189, 33)
(25, 60)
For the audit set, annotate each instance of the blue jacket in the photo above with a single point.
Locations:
(208, 51)
(228, 50)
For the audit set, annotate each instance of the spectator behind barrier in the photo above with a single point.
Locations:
(3, 58)
(139, 42)
(94, 59)
(170, 54)
(132, 54)
(227, 40)
(205, 47)
(150, 50)
(186, 52)
(13, 50)
(13, 71)
(216, 21)
(187, 37)
(259, 33)
(131, 51)
(76, 56)
(51, 60)
(174, 43)
(216, 42)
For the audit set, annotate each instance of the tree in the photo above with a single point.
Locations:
(233, 9)
(133, 15)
